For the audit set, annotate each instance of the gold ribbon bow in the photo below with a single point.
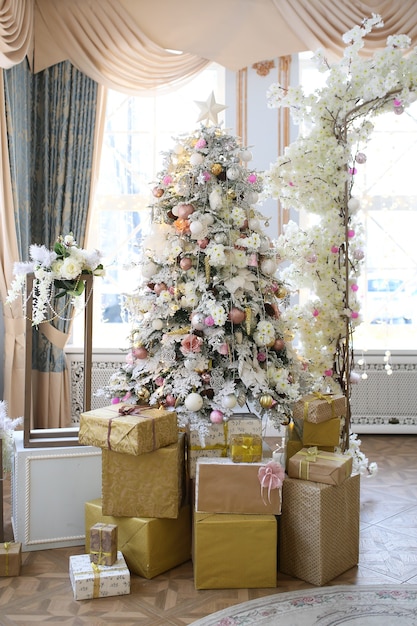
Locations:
(131, 410)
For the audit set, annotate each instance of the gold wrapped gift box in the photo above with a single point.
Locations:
(137, 433)
(322, 434)
(319, 407)
(294, 445)
(89, 580)
(318, 466)
(234, 551)
(150, 546)
(223, 486)
(319, 530)
(10, 558)
(103, 543)
(149, 485)
(246, 448)
(216, 443)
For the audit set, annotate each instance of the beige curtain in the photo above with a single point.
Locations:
(16, 27)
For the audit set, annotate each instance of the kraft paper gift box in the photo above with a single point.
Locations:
(234, 551)
(319, 529)
(294, 445)
(142, 431)
(10, 558)
(223, 486)
(150, 546)
(103, 543)
(89, 580)
(216, 443)
(319, 407)
(149, 485)
(318, 466)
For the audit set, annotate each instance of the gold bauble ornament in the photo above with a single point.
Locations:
(216, 169)
(231, 194)
(281, 292)
(266, 401)
(143, 394)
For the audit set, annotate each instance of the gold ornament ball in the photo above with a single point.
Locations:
(143, 394)
(216, 168)
(281, 292)
(231, 194)
(266, 401)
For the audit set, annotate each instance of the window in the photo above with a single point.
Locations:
(385, 185)
(137, 131)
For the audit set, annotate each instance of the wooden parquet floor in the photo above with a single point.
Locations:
(388, 554)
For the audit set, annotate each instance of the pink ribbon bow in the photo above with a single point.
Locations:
(270, 476)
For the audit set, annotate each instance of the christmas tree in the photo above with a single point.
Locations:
(207, 335)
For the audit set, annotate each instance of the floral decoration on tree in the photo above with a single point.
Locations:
(316, 174)
(57, 273)
(207, 329)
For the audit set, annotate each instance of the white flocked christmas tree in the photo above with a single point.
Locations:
(207, 334)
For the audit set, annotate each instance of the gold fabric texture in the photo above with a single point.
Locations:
(318, 466)
(223, 486)
(149, 485)
(319, 531)
(130, 434)
(234, 551)
(323, 434)
(150, 546)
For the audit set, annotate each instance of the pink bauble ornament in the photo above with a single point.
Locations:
(206, 176)
(167, 180)
(312, 258)
(354, 287)
(252, 178)
(334, 249)
(203, 243)
(354, 315)
(140, 352)
(157, 192)
(279, 344)
(237, 316)
(224, 349)
(360, 158)
(216, 417)
(351, 233)
(159, 381)
(201, 143)
(186, 263)
(209, 321)
(261, 356)
(358, 254)
(253, 260)
(170, 400)
(115, 400)
(185, 210)
(328, 372)
(159, 288)
(316, 312)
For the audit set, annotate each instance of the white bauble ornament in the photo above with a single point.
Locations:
(196, 159)
(353, 204)
(209, 219)
(149, 269)
(220, 238)
(215, 199)
(193, 402)
(252, 197)
(178, 148)
(196, 229)
(253, 224)
(233, 172)
(229, 401)
(174, 210)
(197, 321)
(245, 156)
(157, 324)
(268, 266)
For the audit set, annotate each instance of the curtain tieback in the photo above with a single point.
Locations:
(55, 336)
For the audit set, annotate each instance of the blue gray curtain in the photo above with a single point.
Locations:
(51, 123)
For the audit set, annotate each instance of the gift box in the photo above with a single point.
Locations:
(10, 558)
(216, 443)
(89, 580)
(319, 529)
(322, 434)
(318, 466)
(320, 407)
(128, 429)
(150, 546)
(103, 543)
(223, 486)
(149, 485)
(234, 551)
(245, 448)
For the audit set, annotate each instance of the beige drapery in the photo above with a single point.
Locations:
(124, 44)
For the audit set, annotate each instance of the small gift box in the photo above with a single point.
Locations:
(246, 448)
(89, 580)
(128, 429)
(318, 466)
(10, 558)
(321, 434)
(223, 486)
(320, 407)
(216, 442)
(103, 543)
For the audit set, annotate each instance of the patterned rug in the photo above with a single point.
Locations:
(327, 606)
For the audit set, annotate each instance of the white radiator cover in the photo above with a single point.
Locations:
(380, 404)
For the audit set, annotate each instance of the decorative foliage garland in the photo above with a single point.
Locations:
(57, 273)
(316, 174)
